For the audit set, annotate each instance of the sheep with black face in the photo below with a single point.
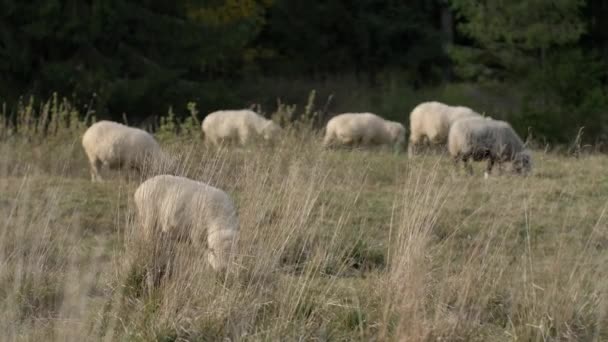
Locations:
(485, 139)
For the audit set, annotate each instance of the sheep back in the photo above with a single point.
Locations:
(433, 120)
(482, 138)
(364, 128)
(115, 144)
(241, 125)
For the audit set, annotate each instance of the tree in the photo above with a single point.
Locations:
(509, 37)
(536, 46)
(361, 37)
(137, 56)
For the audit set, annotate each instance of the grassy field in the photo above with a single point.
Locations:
(334, 245)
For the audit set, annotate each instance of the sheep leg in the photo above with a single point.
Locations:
(160, 267)
(435, 143)
(135, 171)
(95, 169)
(365, 141)
(456, 160)
(500, 168)
(411, 147)
(489, 168)
(243, 137)
(223, 142)
(351, 142)
(467, 166)
(347, 141)
(150, 242)
(212, 140)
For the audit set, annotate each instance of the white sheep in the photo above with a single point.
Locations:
(363, 129)
(240, 125)
(174, 208)
(116, 146)
(432, 121)
(494, 140)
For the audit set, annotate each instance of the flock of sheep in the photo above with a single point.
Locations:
(180, 208)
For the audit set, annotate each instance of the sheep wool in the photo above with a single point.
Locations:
(432, 121)
(180, 208)
(115, 145)
(363, 129)
(242, 126)
(494, 140)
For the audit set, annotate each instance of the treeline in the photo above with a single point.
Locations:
(545, 60)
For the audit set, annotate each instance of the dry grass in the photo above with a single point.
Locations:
(335, 245)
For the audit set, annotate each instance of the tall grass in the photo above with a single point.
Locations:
(334, 245)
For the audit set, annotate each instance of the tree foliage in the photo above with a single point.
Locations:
(136, 56)
(142, 56)
(511, 36)
(537, 45)
(353, 36)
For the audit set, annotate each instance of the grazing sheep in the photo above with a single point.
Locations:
(364, 129)
(432, 121)
(177, 208)
(240, 125)
(494, 140)
(116, 145)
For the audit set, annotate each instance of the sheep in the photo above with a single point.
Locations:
(240, 125)
(174, 208)
(432, 120)
(494, 140)
(116, 146)
(363, 129)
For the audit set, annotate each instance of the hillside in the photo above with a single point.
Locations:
(334, 245)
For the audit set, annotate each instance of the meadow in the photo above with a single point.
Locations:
(334, 244)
